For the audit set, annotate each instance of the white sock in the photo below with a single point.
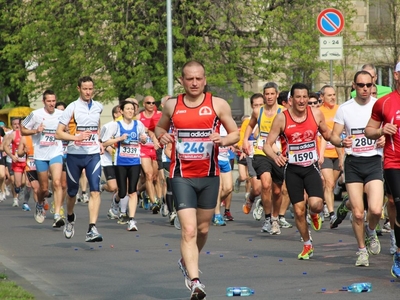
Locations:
(124, 204)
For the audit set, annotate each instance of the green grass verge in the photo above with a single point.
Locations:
(10, 290)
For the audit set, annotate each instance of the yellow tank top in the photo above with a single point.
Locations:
(264, 125)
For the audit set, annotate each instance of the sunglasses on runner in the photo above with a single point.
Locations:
(150, 103)
(361, 85)
(312, 102)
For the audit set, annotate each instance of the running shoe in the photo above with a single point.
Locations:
(2, 196)
(112, 213)
(58, 221)
(326, 211)
(171, 217)
(386, 227)
(177, 223)
(332, 220)
(266, 226)
(308, 219)
(393, 246)
(155, 208)
(316, 222)
(362, 259)
(49, 194)
(25, 207)
(372, 243)
(39, 214)
(307, 253)
(258, 211)
(164, 210)
(228, 216)
(284, 224)
(396, 265)
(15, 202)
(93, 236)
(341, 213)
(217, 220)
(198, 290)
(8, 190)
(123, 219)
(275, 229)
(247, 206)
(146, 200)
(69, 230)
(132, 226)
(85, 198)
(236, 187)
(185, 273)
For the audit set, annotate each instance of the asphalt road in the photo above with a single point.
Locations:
(143, 265)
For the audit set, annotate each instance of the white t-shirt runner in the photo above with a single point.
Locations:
(80, 116)
(355, 117)
(45, 143)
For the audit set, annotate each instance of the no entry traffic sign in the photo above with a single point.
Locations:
(330, 22)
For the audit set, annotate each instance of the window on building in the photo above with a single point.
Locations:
(385, 75)
(380, 19)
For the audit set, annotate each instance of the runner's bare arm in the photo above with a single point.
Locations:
(224, 113)
(161, 130)
(277, 127)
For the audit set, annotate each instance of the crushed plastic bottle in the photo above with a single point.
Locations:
(360, 287)
(239, 291)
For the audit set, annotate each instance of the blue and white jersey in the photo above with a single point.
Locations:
(128, 150)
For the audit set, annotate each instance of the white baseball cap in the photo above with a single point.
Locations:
(397, 69)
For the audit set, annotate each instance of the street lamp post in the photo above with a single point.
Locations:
(170, 72)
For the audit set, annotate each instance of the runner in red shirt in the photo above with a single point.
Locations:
(385, 120)
(195, 118)
(298, 127)
(10, 144)
(149, 152)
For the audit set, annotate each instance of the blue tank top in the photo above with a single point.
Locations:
(128, 151)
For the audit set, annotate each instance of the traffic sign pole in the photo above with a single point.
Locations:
(330, 22)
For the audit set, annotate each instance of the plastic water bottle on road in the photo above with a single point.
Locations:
(360, 287)
(239, 291)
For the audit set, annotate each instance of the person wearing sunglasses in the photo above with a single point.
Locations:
(329, 159)
(313, 100)
(381, 90)
(149, 117)
(196, 117)
(362, 165)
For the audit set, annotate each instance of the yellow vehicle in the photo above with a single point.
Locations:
(7, 114)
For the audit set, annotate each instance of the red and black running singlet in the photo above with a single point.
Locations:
(299, 141)
(194, 155)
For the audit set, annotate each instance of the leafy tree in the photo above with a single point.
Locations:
(122, 44)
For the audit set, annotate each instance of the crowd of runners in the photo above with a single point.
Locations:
(177, 160)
